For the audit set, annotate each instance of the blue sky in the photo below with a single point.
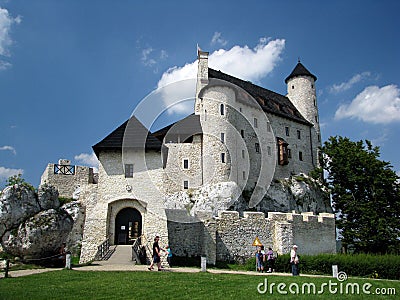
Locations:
(73, 71)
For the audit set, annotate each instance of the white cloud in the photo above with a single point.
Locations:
(6, 21)
(146, 60)
(9, 148)
(6, 172)
(150, 58)
(243, 62)
(373, 105)
(217, 39)
(88, 159)
(344, 86)
(4, 65)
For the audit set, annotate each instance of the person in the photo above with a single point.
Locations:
(270, 260)
(156, 254)
(294, 261)
(259, 260)
(169, 256)
(63, 252)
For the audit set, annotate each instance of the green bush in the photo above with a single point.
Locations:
(361, 265)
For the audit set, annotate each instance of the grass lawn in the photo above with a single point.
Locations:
(72, 284)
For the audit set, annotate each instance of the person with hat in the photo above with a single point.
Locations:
(294, 261)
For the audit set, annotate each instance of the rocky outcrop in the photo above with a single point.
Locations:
(34, 225)
(39, 236)
(298, 193)
(16, 204)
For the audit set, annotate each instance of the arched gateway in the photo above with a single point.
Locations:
(125, 221)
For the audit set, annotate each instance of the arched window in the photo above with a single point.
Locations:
(222, 109)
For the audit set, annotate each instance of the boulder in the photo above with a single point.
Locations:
(39, 236)
(16, 204)
(48, 197)
(77, 212)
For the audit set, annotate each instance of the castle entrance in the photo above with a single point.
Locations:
(128, 226)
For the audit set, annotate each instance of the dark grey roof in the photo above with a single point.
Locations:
(300, 70)
(270, 101)
(131, 133)
(180, 131)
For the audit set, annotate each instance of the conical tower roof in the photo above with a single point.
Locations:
(300, 70)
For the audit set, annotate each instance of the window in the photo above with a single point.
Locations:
(205, 115)
(300, 156)
(289, 153)
(186, 164)
(257, 146)
(255, 123)
(223, 157)
(298, 134)
(222, 109)
(312, 86)
(240, 109)
(185, 184)
(244, 175)
(319, 138)
(128, 170)
(316, 118)
(292, 87)
(242, 153)
(282, 152)
(269, 150)
(287, 131)
(268, 126)
(222, 137)
(242, 133)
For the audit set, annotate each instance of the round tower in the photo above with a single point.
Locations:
(302, 93)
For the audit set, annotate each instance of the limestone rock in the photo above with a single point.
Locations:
(77, 212)
(48, 197)
(39, 236)
(16, 204)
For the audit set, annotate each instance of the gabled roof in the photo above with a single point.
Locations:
(270, 101)
(131, 133)
(180, 130)
(300, 70)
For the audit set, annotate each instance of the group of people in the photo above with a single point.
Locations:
(265, 260)
(156, 258)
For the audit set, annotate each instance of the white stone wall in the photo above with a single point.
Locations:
(67, 184)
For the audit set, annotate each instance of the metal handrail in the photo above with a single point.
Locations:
(102, 249)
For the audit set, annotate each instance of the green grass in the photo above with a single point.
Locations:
(72, 284)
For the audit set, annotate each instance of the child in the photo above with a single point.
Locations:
(169, 256)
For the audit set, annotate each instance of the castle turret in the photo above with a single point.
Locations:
(302, 92)
(202, 76)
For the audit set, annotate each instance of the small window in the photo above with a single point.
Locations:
(298, 134)
(300, 156)
(240, 109)
(257, 146)
(312, 86)
(242, 153)
(222, 109)
(287, 131)
(289, 153)
(185, 184)
(242, 133)
(128, 170)
(269, 150)
(292, 87)
(255, 123)
(186, 164)
(268, 126)
(315, 102)
(244, 175)
(319, 138)
(205, 115)
(316, 118)
(223, 157)
(222, 137)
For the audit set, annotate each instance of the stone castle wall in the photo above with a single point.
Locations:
(229, 237)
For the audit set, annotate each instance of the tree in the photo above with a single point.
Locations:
(365, 194)
(17, 179)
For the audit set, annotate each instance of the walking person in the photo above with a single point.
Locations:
(270, 260)
(294, 261)
(156, 254)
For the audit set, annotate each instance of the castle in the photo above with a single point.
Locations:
(193, 182)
